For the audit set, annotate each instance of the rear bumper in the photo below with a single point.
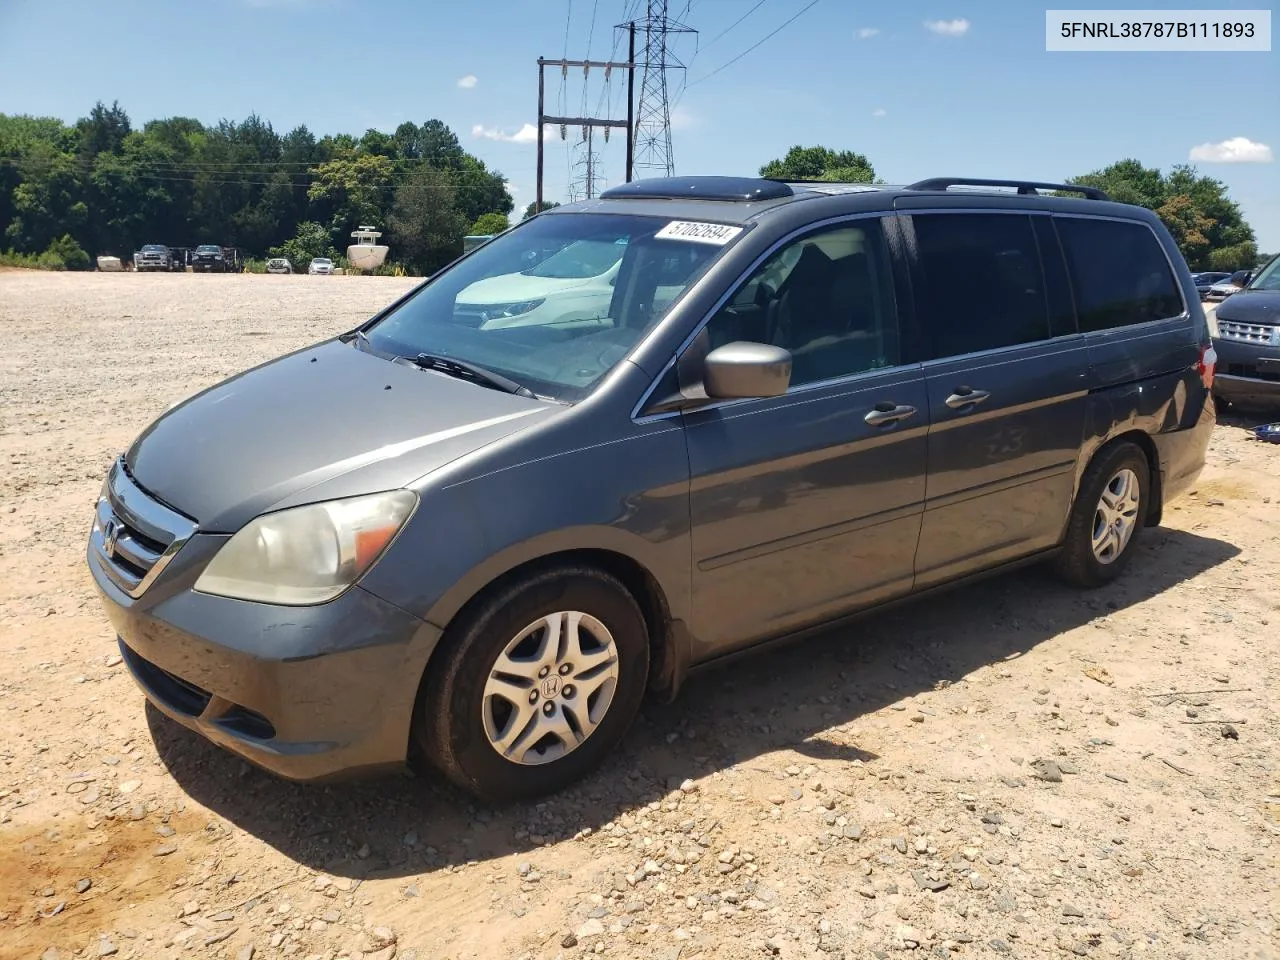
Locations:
(1183, 452)
(307, 693)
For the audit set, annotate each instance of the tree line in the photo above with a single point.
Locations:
(101, 187)
(1208, 226)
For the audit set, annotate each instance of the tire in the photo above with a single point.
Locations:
(1078, 562)
(458, 717)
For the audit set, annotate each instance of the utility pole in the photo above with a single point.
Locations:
(586, 123)
(653, 122)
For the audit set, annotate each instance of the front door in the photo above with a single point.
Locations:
(808, 505)
(1007, 379)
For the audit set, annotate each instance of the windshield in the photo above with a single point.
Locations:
(496, 308)
(208, 248)
(578, 261)
(153, 248)
(321, 260)
(1268, 277)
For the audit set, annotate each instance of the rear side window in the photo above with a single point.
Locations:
(1120, 273)
(983, 287)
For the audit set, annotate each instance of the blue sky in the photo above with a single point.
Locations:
(947, 87)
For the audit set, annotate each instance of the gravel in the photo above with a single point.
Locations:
(861, 794)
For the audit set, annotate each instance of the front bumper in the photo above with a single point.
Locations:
(308, 693)
(1248, 374)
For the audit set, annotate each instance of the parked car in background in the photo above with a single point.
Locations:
(1247, 339)
(484, 546)
(279, 265)
(209, 258)
(1233, 284)
(573, 286)
(153, 257)
(1204, 281)
(320, 265)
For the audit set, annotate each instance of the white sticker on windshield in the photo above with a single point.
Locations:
(715, 233)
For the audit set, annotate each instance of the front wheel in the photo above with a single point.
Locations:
(537, 687)
(1109, 513)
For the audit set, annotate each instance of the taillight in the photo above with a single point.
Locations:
(1207, 365)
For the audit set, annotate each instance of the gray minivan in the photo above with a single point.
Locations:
(453, 536)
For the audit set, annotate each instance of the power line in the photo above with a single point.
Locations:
(735, 23)
(769, 36)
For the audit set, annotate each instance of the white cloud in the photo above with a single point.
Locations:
(1234, 150)
(681, 119)
(866, 33)
(467, 82)
(511, 187)
(879, 112)
(526, 134)
(948, 28)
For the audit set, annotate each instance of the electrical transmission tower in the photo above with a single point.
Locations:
(586, 185)
(653, 116)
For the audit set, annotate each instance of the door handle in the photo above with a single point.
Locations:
(885, 413)
(965, 397)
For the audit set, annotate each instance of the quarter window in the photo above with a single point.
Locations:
(983, 287)
(1119, 271)
(827, 298)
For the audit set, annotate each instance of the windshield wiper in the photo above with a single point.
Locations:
(469, 371)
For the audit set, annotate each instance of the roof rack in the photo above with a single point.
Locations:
(834, 186)
(1024, 187)
(699, 188)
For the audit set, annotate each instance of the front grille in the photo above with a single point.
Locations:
(1248, 332)
(134, 536)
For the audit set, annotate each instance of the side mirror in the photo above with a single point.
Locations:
(742, 370)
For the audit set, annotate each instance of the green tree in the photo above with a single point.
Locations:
(311, 241)
(352, 190)
(70, 253)
(489, 223)
(1208, 225)
(532, 208)
(481, 190)
(426, 224)
(48, 200)
(821, 164)
(112, 187)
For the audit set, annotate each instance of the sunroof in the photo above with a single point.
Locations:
(700, 188)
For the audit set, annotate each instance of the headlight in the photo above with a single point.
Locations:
(307, 555)
(1211, 316)
(493, 311)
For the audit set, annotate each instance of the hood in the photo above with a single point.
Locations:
(1252, 306)
(272, 436)
(517, 288)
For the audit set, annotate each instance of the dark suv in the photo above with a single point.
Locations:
(1247, 339)
(480, 527)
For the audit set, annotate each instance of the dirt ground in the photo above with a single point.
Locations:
(1016, 769)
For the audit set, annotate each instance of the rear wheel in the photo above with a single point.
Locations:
(537, 687)
(1109, 513)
